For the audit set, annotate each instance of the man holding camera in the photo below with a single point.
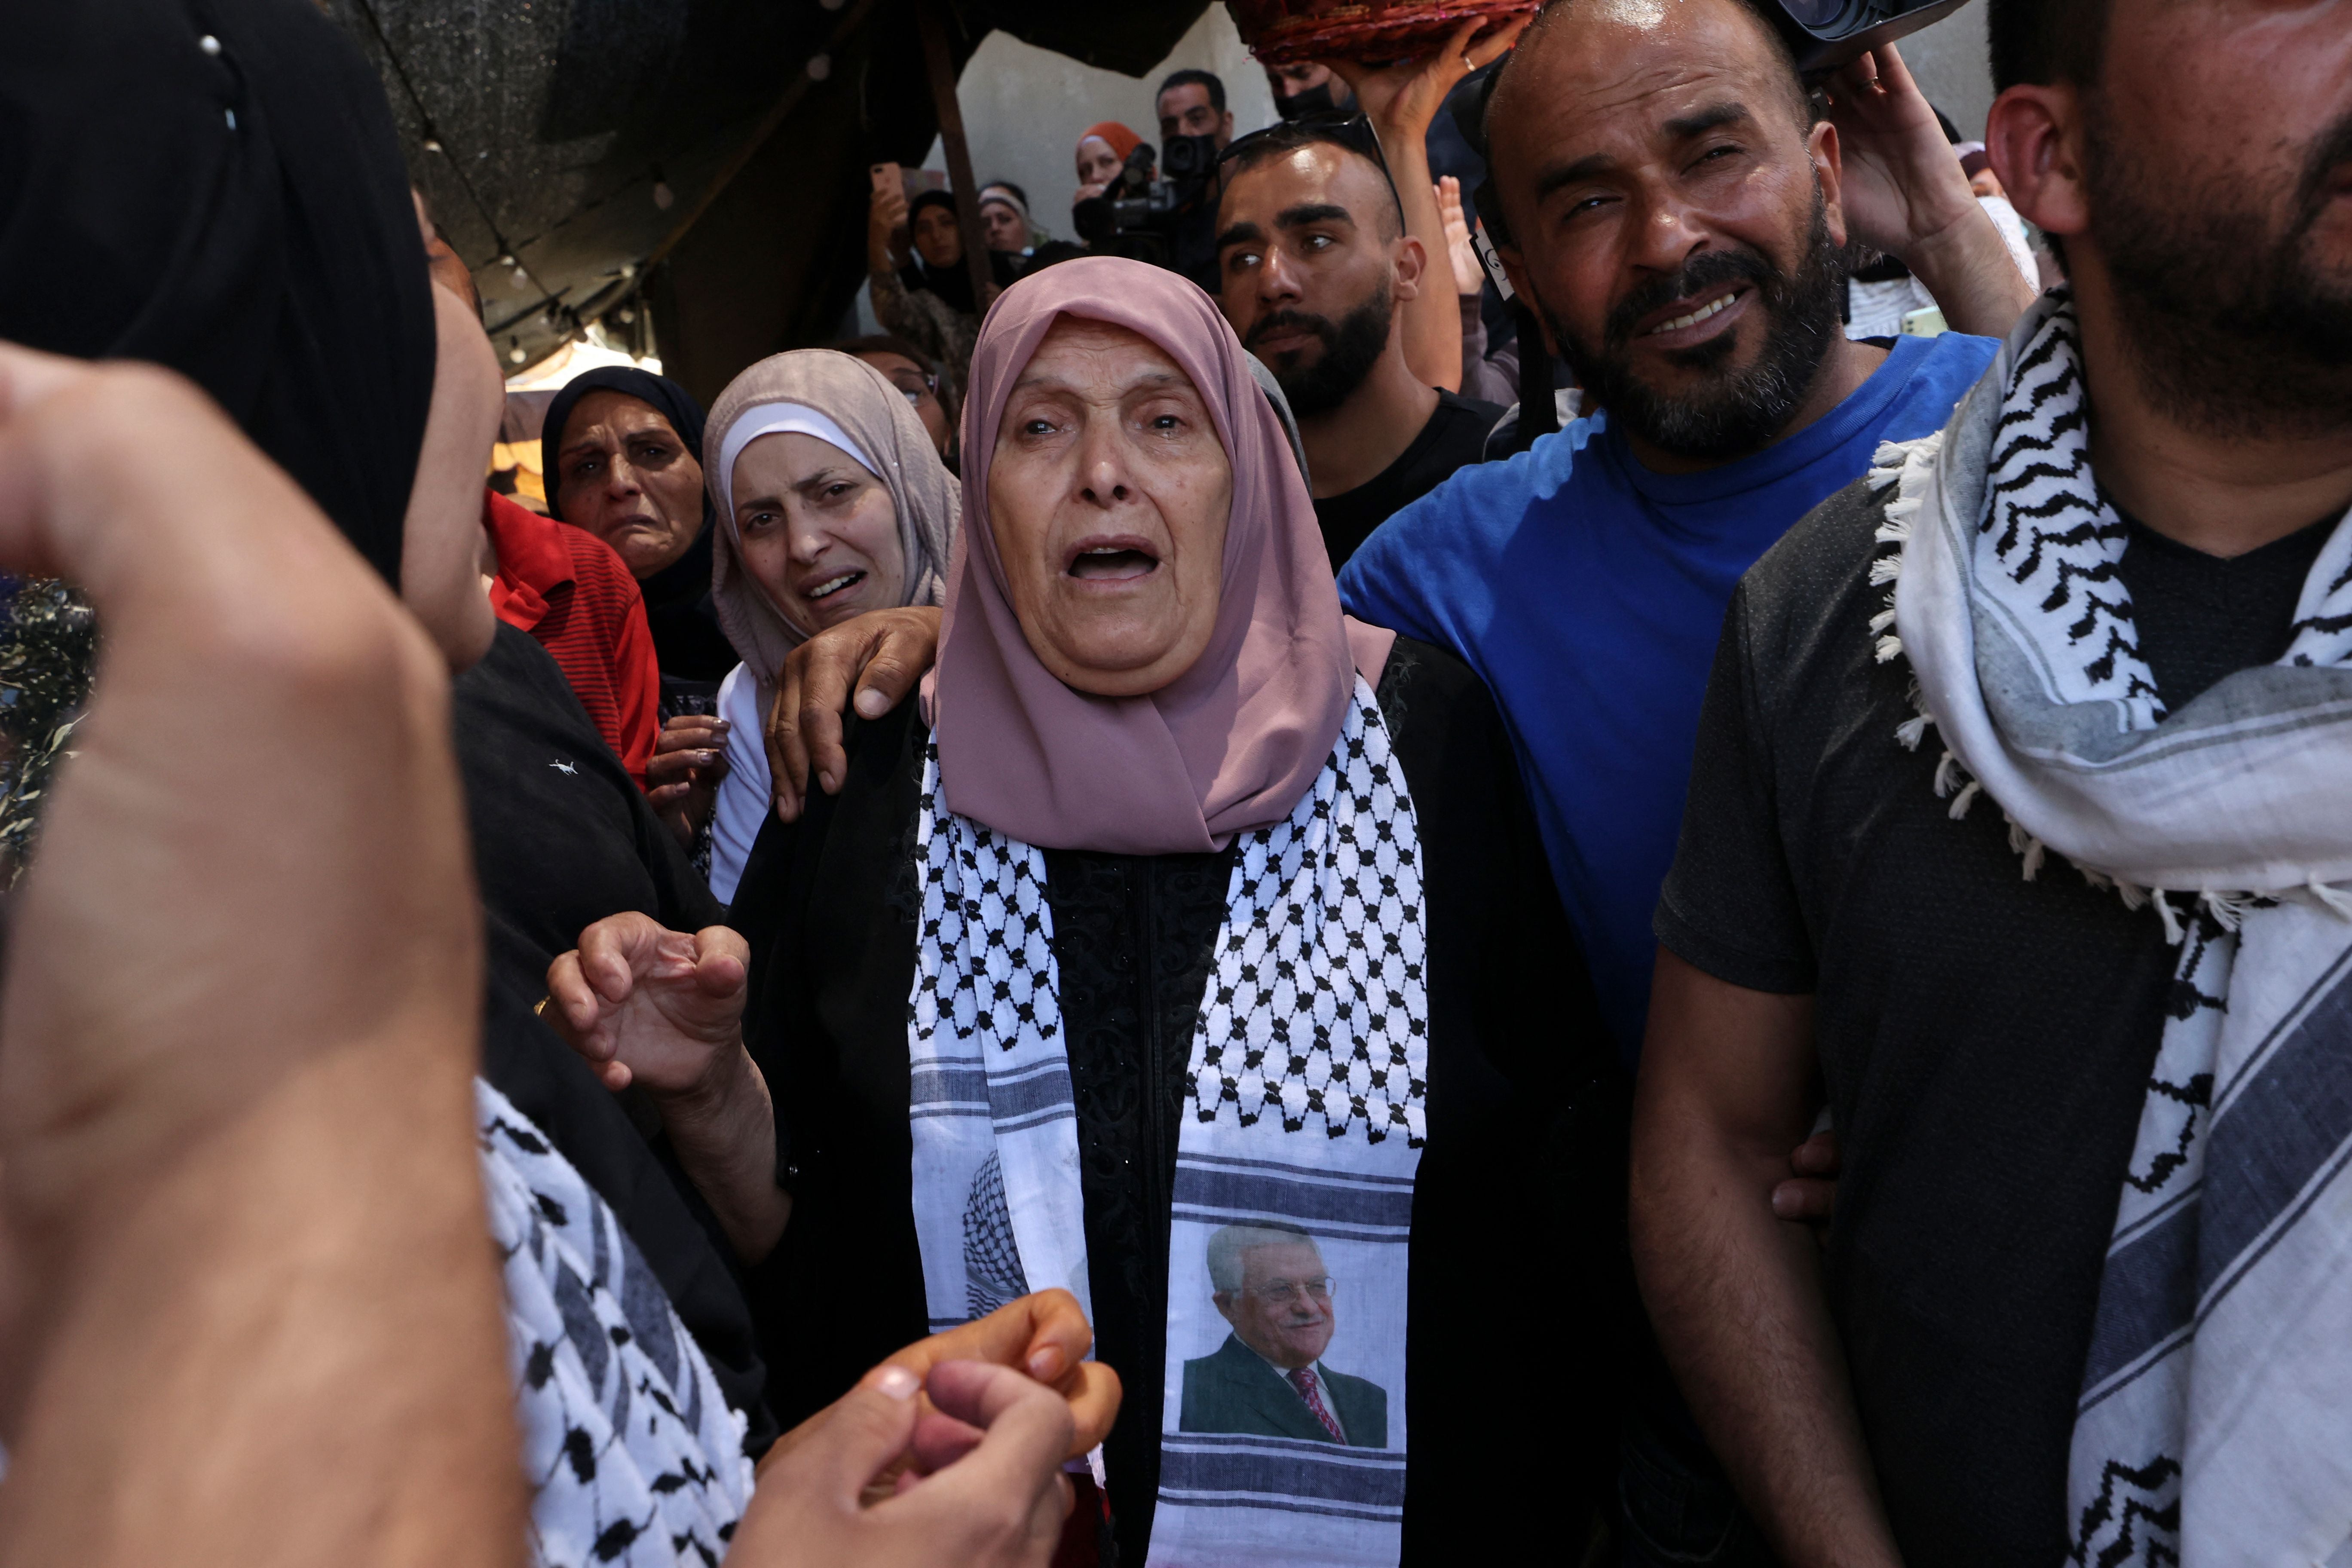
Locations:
(1195, 127)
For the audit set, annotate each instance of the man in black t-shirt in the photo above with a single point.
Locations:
(1315, 268)
(1936, 870)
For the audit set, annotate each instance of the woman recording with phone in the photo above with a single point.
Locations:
(915, 269)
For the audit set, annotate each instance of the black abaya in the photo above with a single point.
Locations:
(216, 185)
(680, 612)
(1518, 1272)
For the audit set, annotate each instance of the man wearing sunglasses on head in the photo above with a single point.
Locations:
(1317, 273)
(1325, 241)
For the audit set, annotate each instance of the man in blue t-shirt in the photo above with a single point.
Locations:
(1676, 217)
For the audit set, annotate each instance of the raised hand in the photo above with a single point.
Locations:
(1903, 192)
(1902, 185)
(1401, 100)
(664, 1010)
(646, 1005)
(1404, 97)
(882, 654)
(1469, 278)
(886, 220)
(683, 776)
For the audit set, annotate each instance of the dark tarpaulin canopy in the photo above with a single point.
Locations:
(565, 144)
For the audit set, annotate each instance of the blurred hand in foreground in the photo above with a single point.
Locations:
(244, 1224)
(986, 1489)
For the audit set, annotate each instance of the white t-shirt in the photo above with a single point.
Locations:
(744, 798)
(1877, 310)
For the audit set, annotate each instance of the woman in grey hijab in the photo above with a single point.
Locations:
(831, 501)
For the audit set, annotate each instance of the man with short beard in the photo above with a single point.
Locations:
(1314, 265)
(2038, 867)
(1673, 212)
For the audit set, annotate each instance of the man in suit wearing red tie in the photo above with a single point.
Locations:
(1267, 1379)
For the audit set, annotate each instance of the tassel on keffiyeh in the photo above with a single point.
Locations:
(2214, 1425)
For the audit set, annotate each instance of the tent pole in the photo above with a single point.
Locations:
(767, 126)
(941, 68)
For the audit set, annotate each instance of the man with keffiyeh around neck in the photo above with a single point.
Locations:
(2018, 832)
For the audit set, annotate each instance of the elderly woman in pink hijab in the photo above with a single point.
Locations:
(1188, 946)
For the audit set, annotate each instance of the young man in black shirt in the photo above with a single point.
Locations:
(2070, 974)
(1316, 270)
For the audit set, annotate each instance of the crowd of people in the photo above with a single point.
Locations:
(1594, 812)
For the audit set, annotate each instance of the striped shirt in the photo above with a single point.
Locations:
(568, 590)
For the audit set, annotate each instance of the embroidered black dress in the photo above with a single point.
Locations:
(1517, 1271)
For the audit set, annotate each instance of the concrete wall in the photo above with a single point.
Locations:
(1949, 62)
(1023, 108)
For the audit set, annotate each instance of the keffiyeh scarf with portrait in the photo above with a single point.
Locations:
(1306, 1119)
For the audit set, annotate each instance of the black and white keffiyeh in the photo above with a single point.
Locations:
(2215, 1420)
(634, 1456)
(1310, 1072)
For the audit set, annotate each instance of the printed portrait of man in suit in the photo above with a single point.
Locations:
(1269, 1378)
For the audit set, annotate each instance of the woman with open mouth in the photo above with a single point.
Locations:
(1188, 946)
(832, 500)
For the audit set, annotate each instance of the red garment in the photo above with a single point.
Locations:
(565, 586)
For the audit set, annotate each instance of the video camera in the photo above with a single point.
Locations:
(1826, 34)
(1136, 214)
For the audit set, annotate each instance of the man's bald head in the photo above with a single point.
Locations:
(1587, 24)
(1313, 262)
(1671, 211)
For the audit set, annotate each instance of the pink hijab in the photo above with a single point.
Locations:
(1235, 741)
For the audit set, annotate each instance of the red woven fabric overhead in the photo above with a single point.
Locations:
(1285, 32)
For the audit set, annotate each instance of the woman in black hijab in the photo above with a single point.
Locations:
(915, 273)
(935, 261)
(622, 452)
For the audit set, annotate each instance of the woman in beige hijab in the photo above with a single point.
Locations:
(831, 501)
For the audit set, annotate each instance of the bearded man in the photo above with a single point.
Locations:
(1315, 269)
(2040, 869)
(1673, 210)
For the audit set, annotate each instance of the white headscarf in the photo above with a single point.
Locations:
(850, 405)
